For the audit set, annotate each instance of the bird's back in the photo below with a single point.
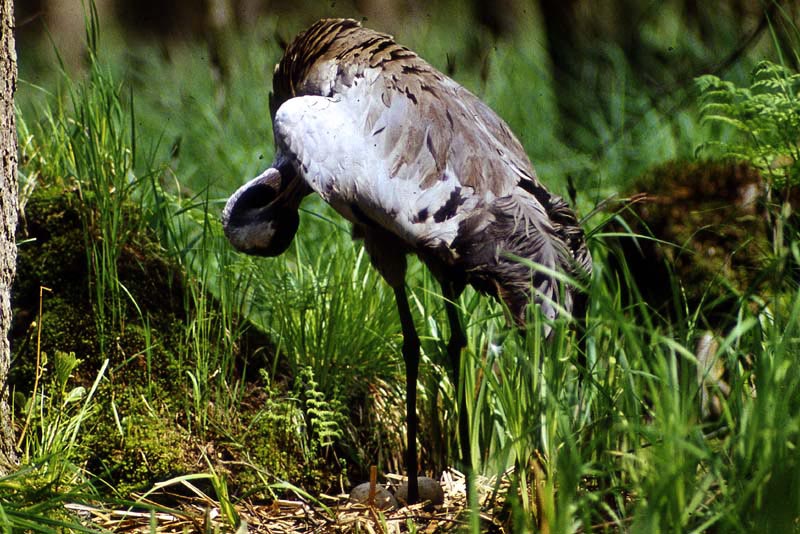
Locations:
(422, 109)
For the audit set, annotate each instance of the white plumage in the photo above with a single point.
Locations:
(345, 162)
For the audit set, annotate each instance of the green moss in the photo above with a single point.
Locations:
(143, 446)
(278, 447)
(53, 255)
(142, 347)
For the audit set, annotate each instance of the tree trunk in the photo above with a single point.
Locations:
(8, 221)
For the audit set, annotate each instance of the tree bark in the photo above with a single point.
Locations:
(8, 221)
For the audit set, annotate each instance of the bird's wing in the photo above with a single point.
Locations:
(430, 131)
(341, 155)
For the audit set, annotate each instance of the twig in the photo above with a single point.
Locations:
(39, 370)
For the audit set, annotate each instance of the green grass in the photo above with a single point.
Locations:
(602, 433)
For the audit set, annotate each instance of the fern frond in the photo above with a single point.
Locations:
(766, 114)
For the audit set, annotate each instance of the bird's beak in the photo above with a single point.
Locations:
(261, 217)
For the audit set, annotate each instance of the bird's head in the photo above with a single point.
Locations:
(261, 217)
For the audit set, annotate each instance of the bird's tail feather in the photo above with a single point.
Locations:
(519, 249)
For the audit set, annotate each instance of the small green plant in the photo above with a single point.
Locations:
(58, 413)
(766, 118)
(52, 446)
(289, 437)
(279, 429)
(325, 418)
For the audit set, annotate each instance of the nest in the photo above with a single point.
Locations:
(328, 514)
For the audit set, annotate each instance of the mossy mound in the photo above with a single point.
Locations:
(704, 238)
(53, 255)
(147, 425)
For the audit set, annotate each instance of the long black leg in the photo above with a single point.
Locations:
(411, 357)
(388, 254)
(455, 345)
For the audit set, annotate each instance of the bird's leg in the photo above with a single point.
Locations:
(455, 345)
(411, 357)
(388, 254)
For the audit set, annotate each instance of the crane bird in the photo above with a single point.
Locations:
(417, 164)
